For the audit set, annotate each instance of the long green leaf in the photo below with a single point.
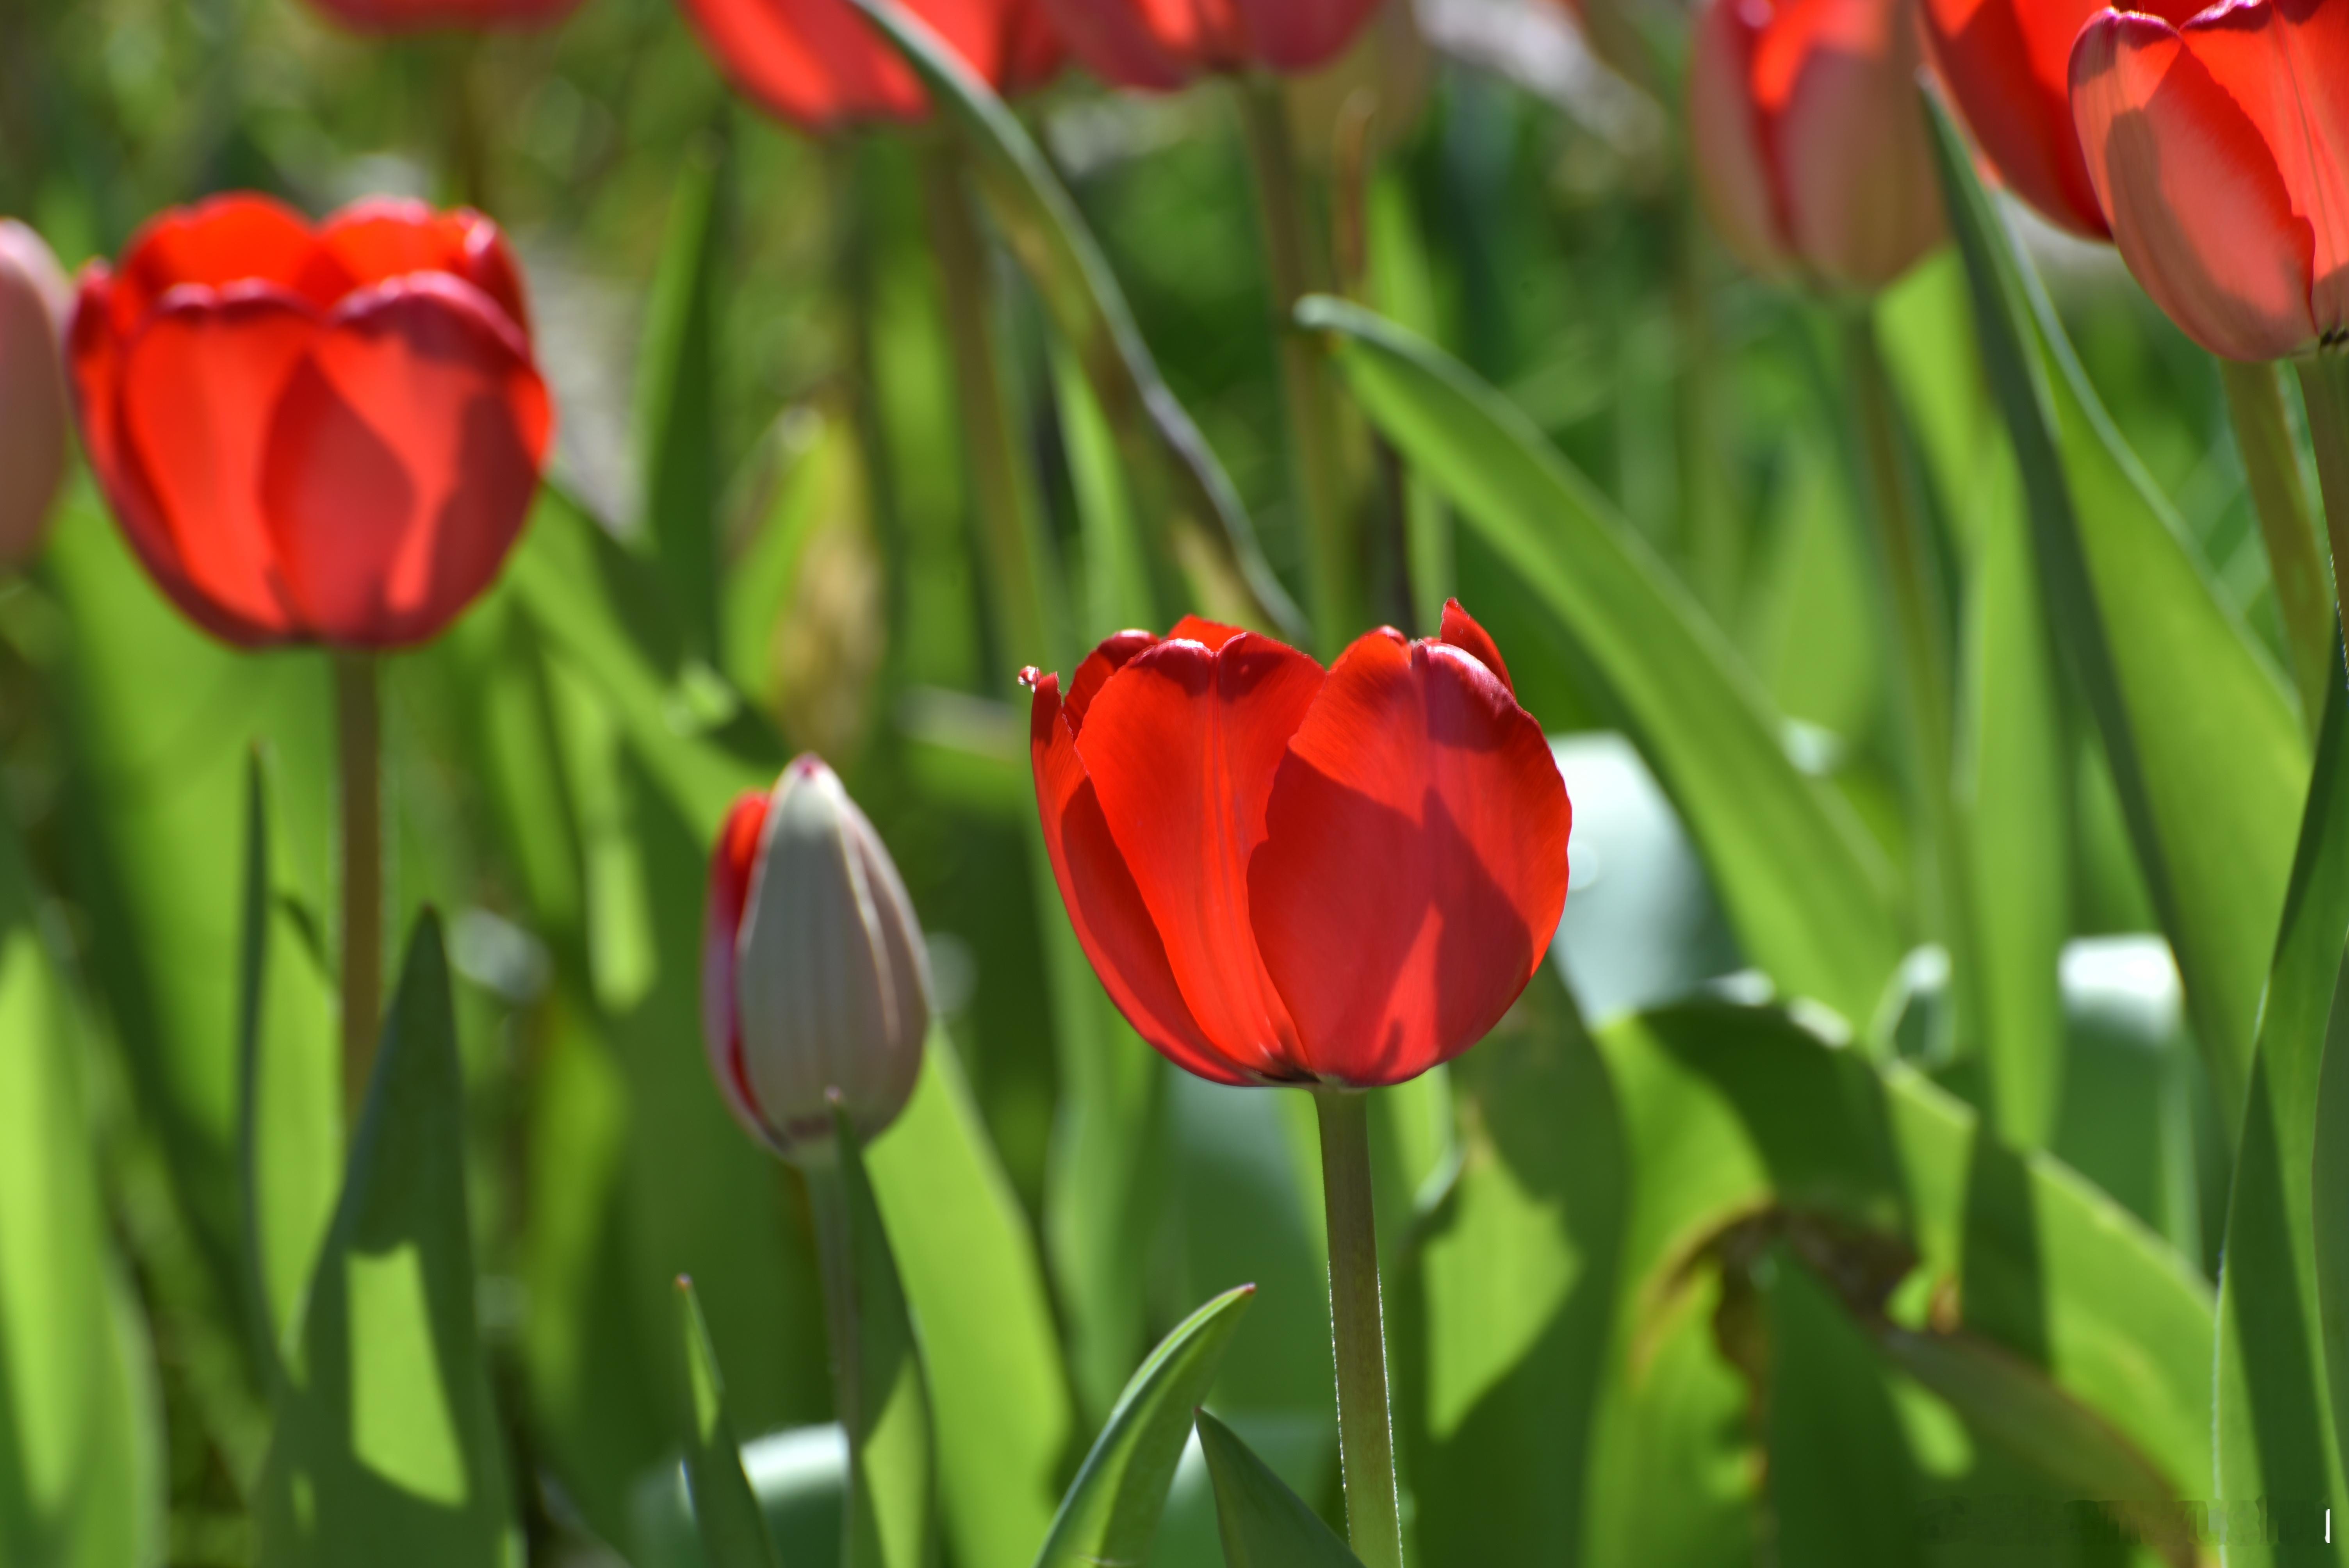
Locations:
(997, 1391)
(1112, 1512)
(1213, 535)
(81, 1474)
(289, 1091)
(1264, 1524)
(2279, 1439)
(2205, 747)
(2329, 1204)
(1804, 893)
(733, 1529)
(388, 1449)
(677, 396)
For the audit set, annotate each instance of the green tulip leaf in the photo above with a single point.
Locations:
(1212, 534)
(1804, 892)
(2205, 746)
(81, 1446)
(999, 1393)
(677, 390)
(733, 1529)
(388, 1449)
(1264, 1524)
(1111, 1513)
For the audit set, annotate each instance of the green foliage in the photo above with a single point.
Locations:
(1263, 1522)
(733, 1530)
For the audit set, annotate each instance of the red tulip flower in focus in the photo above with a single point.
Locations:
(819, 66)
(2008, 65)
(34, 298)
(1285, 875)
(313, 435)
(1168, 43)
(1811, 148)
(452, 16)
(2219, 146)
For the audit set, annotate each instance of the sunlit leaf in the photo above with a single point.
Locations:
(733, 1530)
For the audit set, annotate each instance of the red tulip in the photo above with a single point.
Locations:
(1166, 44)
(2218, 145)
(455, 15)
(313, 435)
(820, 66)
(1287, 876)
(815, 983)
(2008, 65)
(34, 298)
(1811, 148)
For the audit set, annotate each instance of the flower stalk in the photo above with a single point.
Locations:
(1357, 1330)
(1317, 472)
(2325, 387)
(2279, 501)
(358, 755)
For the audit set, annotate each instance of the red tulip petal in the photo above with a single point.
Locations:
(1414, 866)
(2284, 63)
(402, 461)
(1104, 907)
(1836, 84)
(2008, 65)
(383, 238)
(195, 391)
(1103, 662)
(2197, 203)
(1461, 631)
(231, 239)
(1294, 35)
(1733, 170)
(1154, 45)
(1032, 51)
(1210, 635)
(1182, 745)
(815, 62)
(731, 861)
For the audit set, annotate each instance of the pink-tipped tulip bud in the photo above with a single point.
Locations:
(1810, 144)
(815, 985)
(33, 300)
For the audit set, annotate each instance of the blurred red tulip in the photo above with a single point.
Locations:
(816, 982)
(34, 298)
(452, 16)
(1284, 876)
(1810, 144)
(1164, 44)
(819, 65)
(325, 435)
(2218, 144)
(2008, 67)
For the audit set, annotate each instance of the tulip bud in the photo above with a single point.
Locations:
(1810, 145)
(34, 299)
(816, 982)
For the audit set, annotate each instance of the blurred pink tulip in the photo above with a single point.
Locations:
(1809, 138)
(34, 299)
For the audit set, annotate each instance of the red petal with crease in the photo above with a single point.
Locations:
(1461, 630)
(198, 388)
(820, 65)
(1181, 747)
(383, 238)
(1414, 863)
(2008, 65)
(1210, 635)
(1103, 662)
(402, 457)
(1104, 907)
(2196, 202)
(231, 239)
(731, 863)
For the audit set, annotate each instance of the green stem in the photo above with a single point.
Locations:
(1019, 577)
(1317, 473)
(1365, 1433)
(1909, 577)
(2325, 388)
(2280, 499)
(359, 754)
(835, 1252)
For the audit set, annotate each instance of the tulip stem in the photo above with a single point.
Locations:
(1315, 471)
(2325, 387)
(2280, 499)
(1365, 1433)
(835, 1244)
(1023, 588)
(359, 752)
(1909, 573)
